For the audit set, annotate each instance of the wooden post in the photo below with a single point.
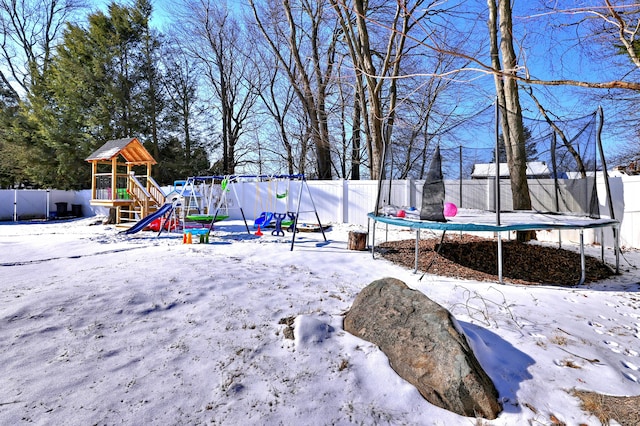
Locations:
(94, 178)
(357, 240)
(148, 179)
(114, 176)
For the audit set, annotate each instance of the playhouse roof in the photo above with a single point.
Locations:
(131, 150)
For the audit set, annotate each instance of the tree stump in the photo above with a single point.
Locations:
(357, 240)
(113, 216)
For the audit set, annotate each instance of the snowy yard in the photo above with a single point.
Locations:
(102, 328)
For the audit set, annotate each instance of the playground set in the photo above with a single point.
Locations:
(114, 183)
(196, 204)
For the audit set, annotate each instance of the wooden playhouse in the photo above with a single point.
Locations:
(114, 183)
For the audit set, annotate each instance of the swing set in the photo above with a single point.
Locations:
(275, 207)
(209, 199)
(205, 200)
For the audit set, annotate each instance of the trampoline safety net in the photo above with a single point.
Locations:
(561, 165)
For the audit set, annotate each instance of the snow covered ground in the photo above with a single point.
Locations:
(101, 328)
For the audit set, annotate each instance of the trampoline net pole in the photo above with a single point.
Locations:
(497, 177)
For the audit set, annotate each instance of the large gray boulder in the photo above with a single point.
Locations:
(423, 344)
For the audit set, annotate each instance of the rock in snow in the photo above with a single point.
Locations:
(425, 346)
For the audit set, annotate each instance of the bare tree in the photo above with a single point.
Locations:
(180, 83)
(349, 126)
(582, 169)
(278, 97)
(28, 30)
(607, 35)
(378, 65)
(500, 15)
(302, 32)
(430, 104)
(414, 138)
(222, 47)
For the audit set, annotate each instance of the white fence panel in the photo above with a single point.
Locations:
(626, 204)
(328, 197)
(343, 201)
(360, 200)
(258, 197)
(6, 204)
(26, 204)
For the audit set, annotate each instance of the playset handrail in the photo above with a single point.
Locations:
(155, 191)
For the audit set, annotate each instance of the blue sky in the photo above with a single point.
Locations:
(162, 10)
(548, 53)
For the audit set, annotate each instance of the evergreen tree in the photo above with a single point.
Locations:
(97, 89)
(177, 165)
(10, 153)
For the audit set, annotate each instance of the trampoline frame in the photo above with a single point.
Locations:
(507, 225)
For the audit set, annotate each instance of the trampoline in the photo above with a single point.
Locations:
(483, 221)
(559, 193)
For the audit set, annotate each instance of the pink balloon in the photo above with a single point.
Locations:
(450, 210)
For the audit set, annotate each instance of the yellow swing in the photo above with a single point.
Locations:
(281, 216)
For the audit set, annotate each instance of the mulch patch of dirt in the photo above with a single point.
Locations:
(475, 258)
(623, 409)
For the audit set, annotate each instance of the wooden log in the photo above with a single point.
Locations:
(357, 240)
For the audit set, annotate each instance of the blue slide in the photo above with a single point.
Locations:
(143, 223)
(263, 220)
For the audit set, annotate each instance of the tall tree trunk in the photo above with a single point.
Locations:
(515, 142)
(376, 114)
(153, 95)
(316, 100)
(509, 101)
(309, 85)
(356, 138)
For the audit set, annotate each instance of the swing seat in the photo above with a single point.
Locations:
(263, 220)
(206, 218)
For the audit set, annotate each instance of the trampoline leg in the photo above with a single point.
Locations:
(415, 270)
(368, 230)
(583, 273)
(616, 237)
(559, 239)
(602, 245)
(438, 248)
(500, 258)
(373, 240)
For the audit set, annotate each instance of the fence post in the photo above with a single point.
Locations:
(345, 202)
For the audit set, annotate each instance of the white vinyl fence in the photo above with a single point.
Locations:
(27, 204)
(344, 201)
